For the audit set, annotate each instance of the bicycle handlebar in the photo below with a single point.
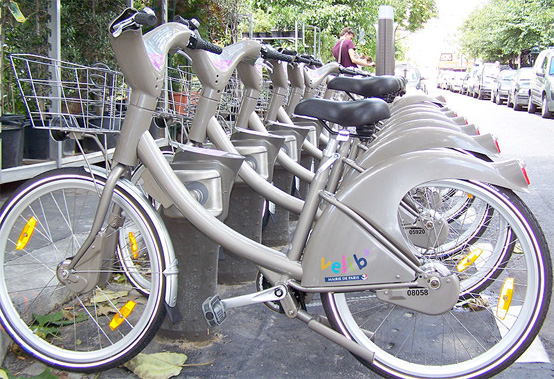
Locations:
(146, 17)
(353, 71)
(288, 51)
(272, 54)
(131, 19)
(301, 58)
(313, 60)
(195, 42)
(191, 24)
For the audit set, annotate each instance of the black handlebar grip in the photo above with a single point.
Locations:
(180, 19)
(302, 59)
(143, 18)
(191, 24)
(348, 71)
(288, 52)
(272, 54)
(198, 43)
(317, 63)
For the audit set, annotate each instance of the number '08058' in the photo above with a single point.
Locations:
(418, 292)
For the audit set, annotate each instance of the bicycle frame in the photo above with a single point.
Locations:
(389, 249)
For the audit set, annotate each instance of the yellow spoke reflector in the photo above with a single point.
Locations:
(470, 196)
(133, 244)
(123, 313)
(469, 259)
(26, 234)
(505, 298)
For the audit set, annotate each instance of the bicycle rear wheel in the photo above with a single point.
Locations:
(44, 223)
(486, 331)
(466, 234)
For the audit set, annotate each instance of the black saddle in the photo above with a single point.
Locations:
(375, 86)
(345, 113)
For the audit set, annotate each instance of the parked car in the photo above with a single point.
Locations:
(465, 83)
(482, 84)
(471, 82)
(518, 94)
(542, 85)
(412, 75)
(501, 86)
(441, 80)
(457, 81)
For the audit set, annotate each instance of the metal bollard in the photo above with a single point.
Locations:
(246, 206)
(384, 57)
(209, 176)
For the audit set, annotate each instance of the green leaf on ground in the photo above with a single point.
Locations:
(46, 374)
(157, 366)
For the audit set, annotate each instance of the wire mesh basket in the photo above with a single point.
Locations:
(265, 95)
(177, 102)
(66, 96)
(180, 97)
(229, 104)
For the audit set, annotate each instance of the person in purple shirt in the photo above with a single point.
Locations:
(344, 51)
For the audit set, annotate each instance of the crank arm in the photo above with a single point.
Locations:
(271, 294)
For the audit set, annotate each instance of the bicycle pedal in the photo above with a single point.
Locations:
(214, 311)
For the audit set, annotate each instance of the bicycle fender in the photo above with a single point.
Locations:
(402, 125)
(396, 121)
(421, 107)
(343, 248)
(415, 99)
(171, 265)
(416, 139)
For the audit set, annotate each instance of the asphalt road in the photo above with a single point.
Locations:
(531, 138)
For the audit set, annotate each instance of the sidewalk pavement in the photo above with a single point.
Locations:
(255, 342)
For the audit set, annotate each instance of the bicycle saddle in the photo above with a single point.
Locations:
(345, 113)
(368, 87)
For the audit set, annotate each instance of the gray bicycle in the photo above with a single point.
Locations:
(81, 312)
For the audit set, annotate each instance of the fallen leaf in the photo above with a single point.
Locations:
(107, 295)
(157, 366)
(46, 374)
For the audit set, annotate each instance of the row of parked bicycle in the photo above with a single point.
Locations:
(411, 249)
(528, 87)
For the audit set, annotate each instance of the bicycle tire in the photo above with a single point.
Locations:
(470, 340)
(61, 327)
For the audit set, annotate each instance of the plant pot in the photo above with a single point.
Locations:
(38, 143)
(12, 146)
(12, 139)
(183, 103)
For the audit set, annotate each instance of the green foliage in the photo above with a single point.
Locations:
(84, 32)
(330, 16)
(48, 325)
(502, 29)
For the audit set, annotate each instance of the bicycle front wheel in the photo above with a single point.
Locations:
(45, 223)
(489, 327)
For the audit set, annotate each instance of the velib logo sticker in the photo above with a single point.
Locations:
(346, 265)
